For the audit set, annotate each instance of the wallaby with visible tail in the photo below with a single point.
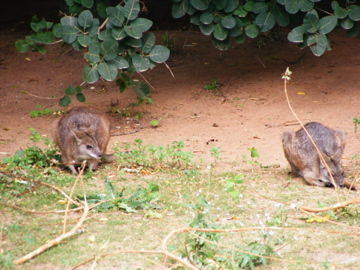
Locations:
(82, 134)
(304, 159)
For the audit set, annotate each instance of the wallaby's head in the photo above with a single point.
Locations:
(86, 147)
(337, 172)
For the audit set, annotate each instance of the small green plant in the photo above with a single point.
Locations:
(154, 123)
(41, 112)
(34, 156)
(6, 261)
(142, 198)
(215, 153)
(137, 155)
(231, 185)
(213, 85)
(168, 41)
(356, 122)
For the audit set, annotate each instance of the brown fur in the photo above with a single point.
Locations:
(82, 134)
(304, 159)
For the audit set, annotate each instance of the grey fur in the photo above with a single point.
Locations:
(82, 134)
(304, 159)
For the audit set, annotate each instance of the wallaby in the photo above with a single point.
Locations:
(82, 134)
(304, 159)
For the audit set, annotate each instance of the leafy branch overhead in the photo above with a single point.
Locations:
(233, 20)
(115, 39)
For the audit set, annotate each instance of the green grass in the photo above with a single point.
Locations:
(158, 197)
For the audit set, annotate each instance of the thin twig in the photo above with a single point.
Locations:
(102, 25)
(143, 77)
(286, 77)
(71, 193)
(334, 207)
(167, 66)
(41, 97)
(326, 12)
(55, 241)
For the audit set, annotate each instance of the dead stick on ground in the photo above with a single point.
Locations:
(334, 207)
(286, 77)
(55, 241)
(71, 193)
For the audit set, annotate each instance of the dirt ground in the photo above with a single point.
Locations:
(249, 110)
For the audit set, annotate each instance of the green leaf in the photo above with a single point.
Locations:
(70, 90)
(353, 32)
(118, 33)
(142, 89)
(249, 5)
(206, 29)
(131, 9)
(93, 55)
(101, 9)
(132, 42)
(80, 97)
(221, 45)
(85, 19)
(265, 21)
(354, 12)
(339, 12)
(87, 3)
(109, 49)
(200, 4)
(65, 101)
(138, 27)
(327, 24)
(133, 31)
(292, 6)
(240, 39)
(260, 7)
(320, 46)
(84, 40)
(228, 22)
(306, 5)
(69, 33)
(281, 17)
(159, 54)
(42, 37)
(140, 63)
(107, 71)
(231, 6)
(220, 4)
(195, 20)
(90, 74)
(219, 32)
(22, 45)
(252, 31)
(241, 12)
(297, 34)
(206, 18)
(311, 23)
(57, 30)
(120, 62)
(236, 31)
(179, 10)
(148, 42)
(68, 20)
(115, 15)
(347, 24)
(78, 89)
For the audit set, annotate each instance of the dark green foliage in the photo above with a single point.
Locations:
(227, 20)
(114, 38)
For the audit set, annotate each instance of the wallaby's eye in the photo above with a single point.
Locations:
(89, 147)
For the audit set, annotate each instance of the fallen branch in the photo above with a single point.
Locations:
(55, 241)
(334, 207)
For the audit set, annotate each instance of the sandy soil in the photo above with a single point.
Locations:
(250, 109)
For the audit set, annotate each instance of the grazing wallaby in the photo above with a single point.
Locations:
(304, 159)
(82, 134)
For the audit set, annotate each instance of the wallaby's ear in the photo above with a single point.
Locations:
(287, 137)
(78, 140)
(341, 137)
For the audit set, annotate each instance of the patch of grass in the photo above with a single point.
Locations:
(153, 157)
(213, 85)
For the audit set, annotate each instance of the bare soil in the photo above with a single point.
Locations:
(249, 110)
